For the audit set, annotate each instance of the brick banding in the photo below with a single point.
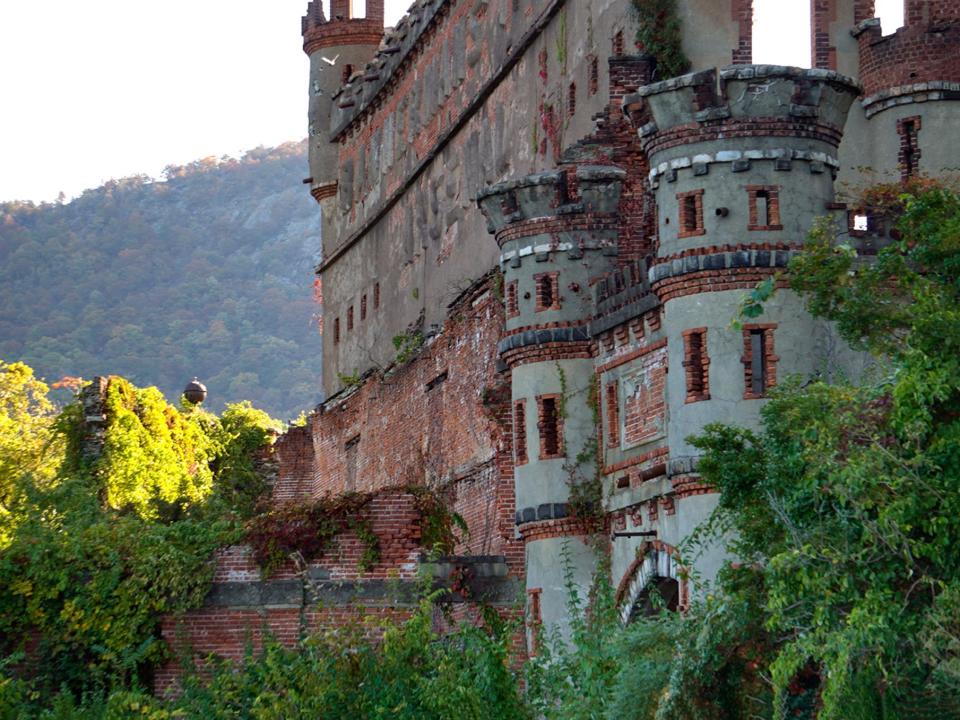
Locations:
(565, 527)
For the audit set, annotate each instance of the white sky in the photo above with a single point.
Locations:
(104, 89)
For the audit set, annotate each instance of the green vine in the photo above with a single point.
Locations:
(407, 346)
(658, 34)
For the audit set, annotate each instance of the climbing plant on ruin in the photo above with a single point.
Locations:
(658, 34)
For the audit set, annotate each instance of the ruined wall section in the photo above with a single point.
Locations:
(911, 89)
(440, 419)
(489, 89)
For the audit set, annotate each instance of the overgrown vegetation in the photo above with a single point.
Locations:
(658, 34)
(209, 273)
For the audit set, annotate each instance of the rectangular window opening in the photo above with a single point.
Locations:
(520, 431)
(358, 9)
(336, 330)
(613, 416)
(618, 43)
(350, 318)
(513, 304)
(572, 100)
(696, 365)
(549, 427)
(363, 307)
(376, 296)
(758, 363)
(594, 84)
(763, 208)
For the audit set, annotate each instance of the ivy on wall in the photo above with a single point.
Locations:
(658, 34)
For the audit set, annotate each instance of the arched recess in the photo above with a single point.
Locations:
(657, 568)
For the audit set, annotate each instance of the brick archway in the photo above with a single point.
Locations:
(656, 563)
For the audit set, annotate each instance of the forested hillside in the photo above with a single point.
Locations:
(209, 273)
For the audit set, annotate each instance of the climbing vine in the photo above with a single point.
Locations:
(658, 34)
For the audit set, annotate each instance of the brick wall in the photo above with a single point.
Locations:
(294, 454)
(916, 53)
(443, 418)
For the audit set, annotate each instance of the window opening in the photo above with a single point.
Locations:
(376, 296)
(350, 318)
(572, 100)
(363, 307)
(336, 330)
(549, 427)
(520, 431)
(696, 364)
(613, 415)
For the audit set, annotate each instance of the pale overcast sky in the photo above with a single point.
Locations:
(104, 89)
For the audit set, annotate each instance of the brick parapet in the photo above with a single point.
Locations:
(739, 102)
(916, 60)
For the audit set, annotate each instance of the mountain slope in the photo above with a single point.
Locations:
(208, 273)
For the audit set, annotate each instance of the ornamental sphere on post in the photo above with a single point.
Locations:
(195, 392)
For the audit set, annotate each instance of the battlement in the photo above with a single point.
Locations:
(358, 94)
(586, 191)
(742, 101)
(917, 62)
(342, 28)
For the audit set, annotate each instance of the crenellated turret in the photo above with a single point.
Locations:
(337, 48)
(557, 233)
(742, 162)
(911, 81)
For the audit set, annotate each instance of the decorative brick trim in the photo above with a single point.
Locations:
(639, 460)
(715, 281)
(632, 355)
(612, 402)
(562, 528)
(908, 158)
(696, 364)
(691, 214)
(685, 486)
(746, 128)
(764, 331)
(548, 352)
(513, 303)
(322, 192)
(770, 194)
(550, 425)
(520, 432)
(547, 291)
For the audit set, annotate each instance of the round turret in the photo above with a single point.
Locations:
(742, 161)
(338, 48)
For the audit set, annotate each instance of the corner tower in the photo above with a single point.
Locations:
(741, 161)
(557, 233)
(337, 48)
(911, 84)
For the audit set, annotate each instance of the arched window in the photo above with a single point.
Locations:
(654, 581)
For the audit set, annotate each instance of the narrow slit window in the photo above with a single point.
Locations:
(520, 432)
(758, 379)
(696, 365)
(572, 100)
(350, 318)
(594, 84)
(691, 213)
(347, 73)
(759, 361)
(548, 291)
(909, 129)
(618, 43)
(336, 330)
(376, 296)
(764, 207)
(613, 415)
(513, 304)
(549, 427)
(363, 307)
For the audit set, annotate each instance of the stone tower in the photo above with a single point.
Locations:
(911, 85)
(337, 47)
(557, 231)
(741, 162)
